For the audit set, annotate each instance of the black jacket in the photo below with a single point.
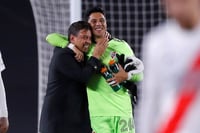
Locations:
(65, 108)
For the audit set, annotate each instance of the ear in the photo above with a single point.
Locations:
(72, 38)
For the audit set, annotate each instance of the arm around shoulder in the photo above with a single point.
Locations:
(56, 39)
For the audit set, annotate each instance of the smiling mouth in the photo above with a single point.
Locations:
(98, 29)
(86, 46)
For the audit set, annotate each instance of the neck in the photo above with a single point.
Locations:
(98, 38)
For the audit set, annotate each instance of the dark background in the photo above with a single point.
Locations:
(18, 46)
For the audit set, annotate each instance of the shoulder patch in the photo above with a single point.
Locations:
(113, 54)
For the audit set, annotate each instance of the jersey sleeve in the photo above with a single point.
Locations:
(2, 66)
(3, 104)
(58, 40)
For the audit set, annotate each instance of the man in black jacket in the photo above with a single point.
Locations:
(65, 108)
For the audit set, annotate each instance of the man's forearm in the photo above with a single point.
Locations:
(58, 40)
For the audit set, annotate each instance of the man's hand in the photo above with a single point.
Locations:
(100, 47)
(4, 124)
(78, 54)
(107, 35)
(119, 77)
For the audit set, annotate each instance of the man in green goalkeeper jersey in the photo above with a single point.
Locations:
(110, 111)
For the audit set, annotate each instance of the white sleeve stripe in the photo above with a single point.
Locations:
(2, 66)
(3, 104)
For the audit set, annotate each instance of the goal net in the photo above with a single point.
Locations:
(129, 19)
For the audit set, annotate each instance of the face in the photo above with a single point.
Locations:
(181, 9)
(83, 40)
(98, 23)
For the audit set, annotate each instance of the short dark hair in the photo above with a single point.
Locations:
(96, 9)
(75, 28)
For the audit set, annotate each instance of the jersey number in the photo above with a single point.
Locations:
(126, 125)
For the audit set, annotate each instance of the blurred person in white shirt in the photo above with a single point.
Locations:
(4, 124)
(170, 95)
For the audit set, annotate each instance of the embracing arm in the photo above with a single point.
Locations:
(66, 64)
(58, 40)
(69, 67)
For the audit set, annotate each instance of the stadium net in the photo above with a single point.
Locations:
(127, 19)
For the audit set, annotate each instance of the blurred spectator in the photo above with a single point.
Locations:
(170, 94)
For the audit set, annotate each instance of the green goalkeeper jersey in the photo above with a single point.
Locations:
(103, 100)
